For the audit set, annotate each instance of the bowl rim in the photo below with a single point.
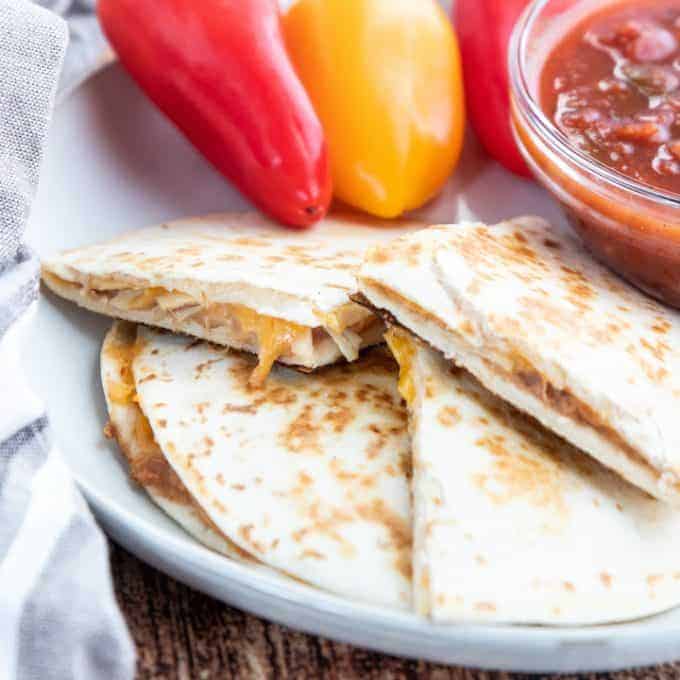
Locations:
(549, 133)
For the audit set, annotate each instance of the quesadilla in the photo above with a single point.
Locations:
(512, 524)
(148, 468)
(236, 280)
(307, 474)
(541, 324)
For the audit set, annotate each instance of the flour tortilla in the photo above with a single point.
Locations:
(545, 327)
(514, 525)
(308, 473)
(236, 280)
(145, 460)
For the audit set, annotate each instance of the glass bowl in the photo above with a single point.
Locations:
(631, 227)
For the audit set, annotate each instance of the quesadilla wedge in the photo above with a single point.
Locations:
(147, 466)
(512, 524)
(236, 280)
(529, 313)
(307, 474)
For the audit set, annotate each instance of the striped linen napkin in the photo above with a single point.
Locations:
(58, 615)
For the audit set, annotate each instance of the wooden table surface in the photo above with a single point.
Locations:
(182, 634)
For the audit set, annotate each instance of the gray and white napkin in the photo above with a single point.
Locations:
(88, 50)
(58, 615)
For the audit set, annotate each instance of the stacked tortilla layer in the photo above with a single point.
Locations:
(234, 279)
(512, 523)
(546, 328)
(306, 474)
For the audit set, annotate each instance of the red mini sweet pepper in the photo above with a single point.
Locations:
(484, 28)
(219, 70)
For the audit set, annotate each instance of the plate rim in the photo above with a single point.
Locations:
(447, 641)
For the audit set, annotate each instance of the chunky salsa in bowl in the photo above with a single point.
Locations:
(596, 112)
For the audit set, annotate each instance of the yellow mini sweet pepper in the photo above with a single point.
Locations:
(385, 78)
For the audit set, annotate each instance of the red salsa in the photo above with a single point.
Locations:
(612, 86)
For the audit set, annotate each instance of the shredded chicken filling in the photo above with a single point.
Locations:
(273, 337)
(528, 378)
(564, 402)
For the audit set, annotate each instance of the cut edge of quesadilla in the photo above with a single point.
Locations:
(341, 333)
(401, 344)
(146, 464)
(522, 384)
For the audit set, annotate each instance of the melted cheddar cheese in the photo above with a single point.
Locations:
(147, 298)
(403, 348)
(121, 390)
(274, 336)
(123, 352)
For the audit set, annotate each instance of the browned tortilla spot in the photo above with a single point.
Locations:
(448, 416)
(399, 532)
(303, 434)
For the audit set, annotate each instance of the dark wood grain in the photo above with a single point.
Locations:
(181, 634)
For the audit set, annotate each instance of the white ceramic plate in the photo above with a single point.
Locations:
(113, 163)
